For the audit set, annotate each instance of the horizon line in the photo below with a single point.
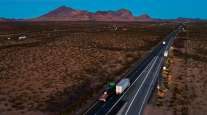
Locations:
(25, 18)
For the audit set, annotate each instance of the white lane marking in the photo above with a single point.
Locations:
(130, 87)
(149, 89)
(126, 90)
(90, 108)
(140, 87)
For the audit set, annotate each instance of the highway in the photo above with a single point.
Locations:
(143, 78)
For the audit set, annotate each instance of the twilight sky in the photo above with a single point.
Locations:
(166, 9)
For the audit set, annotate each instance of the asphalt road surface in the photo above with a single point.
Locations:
(143, 78)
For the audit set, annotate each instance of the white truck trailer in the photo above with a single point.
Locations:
(165, 53)
(122, 86)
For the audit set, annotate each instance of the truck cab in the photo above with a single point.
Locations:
(103, 97)
(109, 91)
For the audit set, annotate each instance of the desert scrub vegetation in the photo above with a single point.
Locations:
(66, 70)
(187, 94)
(165, 82)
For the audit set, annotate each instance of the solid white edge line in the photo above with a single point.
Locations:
(90, 108)
(125, 91)
(140, 87)
(149, 89)
(130, 86)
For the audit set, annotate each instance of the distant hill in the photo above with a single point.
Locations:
(145, 18)
(64, 14)
(68, 14)
(9, 20)
(187, 20)
(2, 20)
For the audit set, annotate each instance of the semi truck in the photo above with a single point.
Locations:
(114, 89)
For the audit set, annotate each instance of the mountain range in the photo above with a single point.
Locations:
(64, 13)
(2, 20)
(68, 14)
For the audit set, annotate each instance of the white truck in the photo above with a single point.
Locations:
(122, 86)
(165, 53)
(22, 37)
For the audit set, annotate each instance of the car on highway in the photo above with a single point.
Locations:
(164, 67)
(163, 42)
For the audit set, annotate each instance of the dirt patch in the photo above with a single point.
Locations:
(149, 109)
